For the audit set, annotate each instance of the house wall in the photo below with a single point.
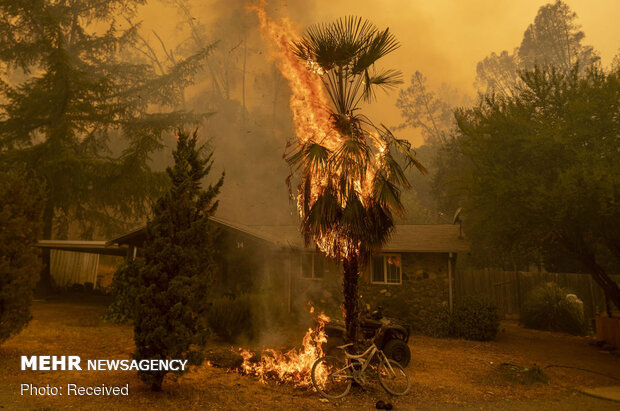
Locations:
(242, 264)
(256, 267)
(70, 267)
(424, 286)
(324, 294)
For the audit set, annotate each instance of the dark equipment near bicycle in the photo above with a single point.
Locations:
(390, 335)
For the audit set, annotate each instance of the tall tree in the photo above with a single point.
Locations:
(78, 96)
(350, 177)
(20, 220)
(615, 63)
(498, 73)
(542, 175)
(553, 39)
(421, 108)
(179, 252)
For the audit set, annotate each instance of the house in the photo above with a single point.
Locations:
(412, 272)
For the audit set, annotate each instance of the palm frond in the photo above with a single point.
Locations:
(388, 195)
(324, 213)
(312, 156)
(352, 157)
(354, 216)
(387, 79)
(393, 171)
(376, 47)
(404, 147)
(346, 50)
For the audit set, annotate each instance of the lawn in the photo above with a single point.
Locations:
(446, 373)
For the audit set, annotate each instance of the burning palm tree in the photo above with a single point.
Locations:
(348, 169)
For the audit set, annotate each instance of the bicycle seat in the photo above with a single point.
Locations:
(342, 347)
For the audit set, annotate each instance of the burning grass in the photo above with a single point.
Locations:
(290, 367)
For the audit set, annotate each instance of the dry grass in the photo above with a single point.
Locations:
(445, 372)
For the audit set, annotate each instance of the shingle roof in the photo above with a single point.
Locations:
(137, 236)
(432, 238)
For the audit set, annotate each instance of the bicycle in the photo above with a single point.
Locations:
(332, 377)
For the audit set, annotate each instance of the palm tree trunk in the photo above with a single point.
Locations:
(350, 291)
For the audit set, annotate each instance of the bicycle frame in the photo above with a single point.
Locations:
(355, 370)
(365, 358)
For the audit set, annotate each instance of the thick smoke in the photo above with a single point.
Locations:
(241, 86)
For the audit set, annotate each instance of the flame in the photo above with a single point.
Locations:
(309, 102)
(313, 122)
(293, 366)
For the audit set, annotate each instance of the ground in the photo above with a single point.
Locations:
(447, 373)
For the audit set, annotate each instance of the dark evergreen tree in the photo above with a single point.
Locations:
(179, 253)
(125, 290)
(80, 116)
(20, 217)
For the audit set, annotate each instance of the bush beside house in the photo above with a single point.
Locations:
(474, 318)
(553, 308)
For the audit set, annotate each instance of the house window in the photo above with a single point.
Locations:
(313, 266)
(386, 269)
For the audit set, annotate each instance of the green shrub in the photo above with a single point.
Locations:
(21, 202)
(475, 318)
(394, 308)
(439, 322)
(125, 292)
(233, 319)
(547, 308)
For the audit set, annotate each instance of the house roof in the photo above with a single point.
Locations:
(432, 238)
(96, 247)
(137, 236)
(133, 237)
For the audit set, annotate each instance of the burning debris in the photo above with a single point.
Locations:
(292, 367)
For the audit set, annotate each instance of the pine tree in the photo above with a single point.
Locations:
(80, 116)
(20, 217)
(179, 255)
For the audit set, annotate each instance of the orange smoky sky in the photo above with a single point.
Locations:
(444, 39)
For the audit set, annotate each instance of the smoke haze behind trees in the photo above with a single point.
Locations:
(251, 123)
(444, 40)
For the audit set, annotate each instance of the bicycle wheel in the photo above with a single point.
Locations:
(393, 377)
(331, 377)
